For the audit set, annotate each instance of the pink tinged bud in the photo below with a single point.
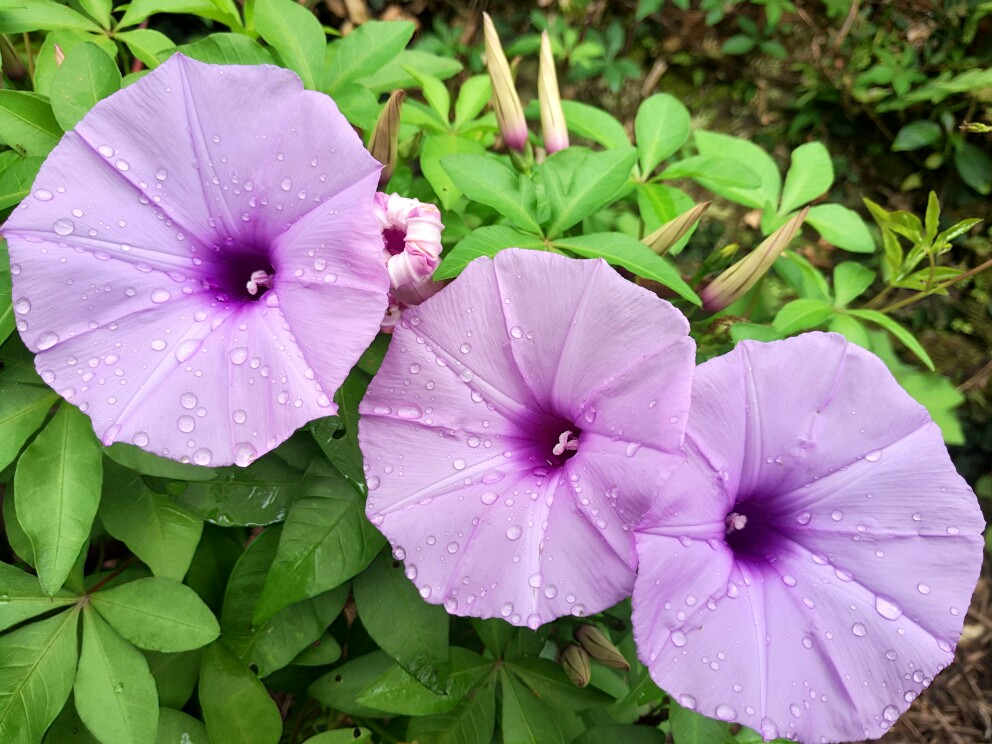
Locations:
(411, 232)
(599, 647)
(506, 102)
(575, 662)
(734, 282)
(384, 143)
(662, 239)
(553, 127)
(59, 56)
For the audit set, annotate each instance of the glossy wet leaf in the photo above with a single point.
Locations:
(21, 597)
(471, 722)
(176, 727)
(237, 708)
(86, 77)
(340, 688)
(525, 718)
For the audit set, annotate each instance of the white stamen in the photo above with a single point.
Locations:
(258, 279)
(566, 441)
(735, 521)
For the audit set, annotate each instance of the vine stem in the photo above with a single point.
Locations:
(113, 575)
(937, 287)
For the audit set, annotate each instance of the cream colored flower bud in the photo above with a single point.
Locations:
(600, 648)
(575, 662)
(553, 127)
(386, 136)
(506, 102)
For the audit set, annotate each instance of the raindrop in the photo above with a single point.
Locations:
(678, 638)
(632, 448)
(795, 710)
(372, 482)
(123, 165)
(923, 588)
(43, 195)
(807, 642)
(887, 608)
(63, 226)
(47, 340)
(239, 355)
(804, 518)
(458, 463)
(140, 438)
(789, 580)
(186, 424)
(514, 532)
(687, 701)
(244, 454)
(489, 497)
(874, 456)
(890, 713)
(286, 184)
(408, 412)
(160, 295)
(158, 344)
(535, 580)
(452, 547)
(859, 630)
(836, 515)
(890, 655)
(186, 349)
(161, 174)
(240, 416)
(188, 401)
(202, 456)
(769, 730)
(517, 332)
(465, 348)
(414, 368)
(725, 712)
(22, 305)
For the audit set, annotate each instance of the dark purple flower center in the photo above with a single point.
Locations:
(395, 240)
(245, 277)
(561, 440)
(750, 530)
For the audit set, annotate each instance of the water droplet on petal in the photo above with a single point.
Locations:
(158, 344)
(874, 456)
(43, 195)
(923, 588)
(678, 638)
(859, 630)
(836, 515)
(725, 712)
(687, 701)
(22, 306)
(244, 454)
(202, 456)
(239, 355)
(63, 226)
(769, 730)
(140, 438)
(286, 184)
(185, 350)
(188, 401)
(160, 295)
(240, 416)
(804, 518)
(890, 713)
(489, 497)
(186, 424)
(517, 332)
(47, 340)
(514, 532)
(887, 608)
(409, 412)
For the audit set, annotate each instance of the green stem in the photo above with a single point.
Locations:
(937, 287)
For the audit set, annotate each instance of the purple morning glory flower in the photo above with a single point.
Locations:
(198, 265)
(522, 419)
(807, 571)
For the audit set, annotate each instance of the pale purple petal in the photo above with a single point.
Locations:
(843, 592)
(460, 442)
(132, 259)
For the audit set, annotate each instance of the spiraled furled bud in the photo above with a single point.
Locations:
(59, 56)
(662, 239)
(741, 276)
(553, 127)
(506, 102)
(386, 136)
(575, 662)
(599, 647)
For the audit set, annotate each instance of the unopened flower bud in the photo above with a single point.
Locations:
(575, 662)
(662, 239)
(59, 56)
(553, 127)
(600, 648)
(735, 281)
(411, 232)
(506, 102)
(386, 136)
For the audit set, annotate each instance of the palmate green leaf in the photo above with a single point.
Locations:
(435, 92)
(397, 691)
(550, 683)
(228, 49)
(67, 39)
(715, 173)
(370, 46)
(21, 597)
(472, 98)
(659, 203)
(630, 253)
(114, 689)
(595, 124)
(851, 279)
(393, 75)
(485, 179)
(296, 34)
(41, 15)
(58, 480)
(175, 675)
(689, 727)
(23, 408)
(842, 227)
(147, 45)
(176, 727)
(340, 688)
(661, 128)
(236, 706)
(713, 144)
(68, 729)
(27, 123)
(809, 176)
(15, 183)
(326, 540)
(39, 660)
(802, 276)
(852, 329)
(19, 542)
(525, 718)
(484, 241)
(578, 182)
(413, 632)
(437, 147)
(157, 614)
(86, 77)
(801, 315)
(215, 558)
(355, 735)
(907, 338)
(472, 722)
(222, 11)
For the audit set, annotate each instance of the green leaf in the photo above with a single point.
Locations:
(340, 689)
(114, 689)
(918, 134)
(27, 123)
(146, 44)
(595, 124)
(852, 329)
(713, 144)
(296, 34)
(236, 706)
(19, 542)
(436, 147)
(908, 339)
(631, 254)
(841, 226)
(368, 47)
(809, 176)
(215, 558)
(413, 632)
(689, 727)
(714, 173)
(472, 98)
(41, 15)
(326, 540)
(435, 92)
(147, 463)
(228, 49)
(39, 660)
(337, 436)
(6, 317)
(86, 77)
(550, 683)
(393, 75)
(68, 729)
(23, 408)
(175, 675)
(157, 614)
(58, 488)
(660, 203)
(356, 735)
(322, 652)
(67, 40)
(22, 597)
(800, 315)
(397, 691)
(661, 128)
(737, 44)
(15, 183)
(851, 279)
(484, 241)
(525, 718)
(974, 167)
(472, 722)
(578, 182)
(802, 276)
(222, 11)
(485, 179)
(175, 727)
(359, 106)
(611, 733)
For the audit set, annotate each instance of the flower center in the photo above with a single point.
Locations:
(567, 442)
(563, 441)
(244, 277)
(259, 279)
(735, 522)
